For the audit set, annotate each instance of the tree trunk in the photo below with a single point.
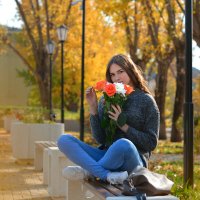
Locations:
(179, 98)
(44, 93)
(160, 94)
(42, 78)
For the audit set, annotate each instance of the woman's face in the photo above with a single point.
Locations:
(119, 75)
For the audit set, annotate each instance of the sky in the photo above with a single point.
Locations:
(8, 17)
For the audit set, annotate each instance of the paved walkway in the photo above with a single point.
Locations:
(18, 179)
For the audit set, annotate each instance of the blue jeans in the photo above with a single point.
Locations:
(122, 155)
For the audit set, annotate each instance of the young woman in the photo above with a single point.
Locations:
(133, 141)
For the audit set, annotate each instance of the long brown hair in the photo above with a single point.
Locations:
(134, 72)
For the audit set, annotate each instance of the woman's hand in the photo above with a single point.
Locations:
(115, 115)
(91, 98)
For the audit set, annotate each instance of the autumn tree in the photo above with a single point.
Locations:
(127, 18)
(163, 53)
(196, 21)
(39, 23)
(174, 25)
(100, 46)
(40, 19)
(147, 41)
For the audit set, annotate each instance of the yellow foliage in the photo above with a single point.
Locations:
(2, 35)
(196, 96)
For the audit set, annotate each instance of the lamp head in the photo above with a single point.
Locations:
(62, 33)
(50, 47)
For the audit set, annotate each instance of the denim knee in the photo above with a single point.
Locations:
(125, 145)
(63, 140)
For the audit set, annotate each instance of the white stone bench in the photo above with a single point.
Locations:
(53, 163)
(8, 120)
(24, 136)
(39, 151)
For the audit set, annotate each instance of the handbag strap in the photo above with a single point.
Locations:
(141, 196)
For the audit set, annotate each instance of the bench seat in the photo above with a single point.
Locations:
(99, 190)
(39, 151)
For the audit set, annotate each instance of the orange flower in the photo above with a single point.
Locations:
(128, 89)
(100, 85)
(110, 89)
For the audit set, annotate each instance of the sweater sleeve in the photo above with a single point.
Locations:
(95, 122)
(146, 140)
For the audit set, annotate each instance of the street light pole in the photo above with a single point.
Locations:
(82, 73)
(50, 49)
(62, 83)
(50, 85)
(188, 105)
(62, 34)
(82, 69)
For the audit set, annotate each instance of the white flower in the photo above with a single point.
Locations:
(120, 88)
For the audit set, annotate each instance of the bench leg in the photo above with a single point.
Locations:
(45, 167)
(74, 190)
(77, 190)
(56, 182)
(38, 157)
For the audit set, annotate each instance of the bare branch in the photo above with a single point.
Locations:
(32, 7)
(28, 30)
(171, 15)
(181, 7)
(171, 26)
(152, 26)
(47, 19)
(68, 12)
(129, 36)
(39, 27)
(136, 32)
(37, 20)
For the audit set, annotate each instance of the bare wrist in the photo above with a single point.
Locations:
(124, 128)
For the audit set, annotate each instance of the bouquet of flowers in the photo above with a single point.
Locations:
(114, 94)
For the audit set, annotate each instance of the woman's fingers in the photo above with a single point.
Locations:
(88, 90)
(111, 117)
(115, 113)
(116, 108)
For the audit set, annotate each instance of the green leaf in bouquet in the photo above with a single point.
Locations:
(105, 121)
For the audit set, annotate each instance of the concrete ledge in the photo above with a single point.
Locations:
(167, 197)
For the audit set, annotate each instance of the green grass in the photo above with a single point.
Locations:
(68, 115)
(174, 171)
(39, 111)
(167, 147)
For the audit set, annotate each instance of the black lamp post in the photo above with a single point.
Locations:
(62, 34)
(188, 105)
(82, 73)
(50, 49)
(82, 68)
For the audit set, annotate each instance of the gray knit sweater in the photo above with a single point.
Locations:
(143, 118)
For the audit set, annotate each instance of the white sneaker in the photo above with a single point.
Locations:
(117, 177)
(75, 173)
